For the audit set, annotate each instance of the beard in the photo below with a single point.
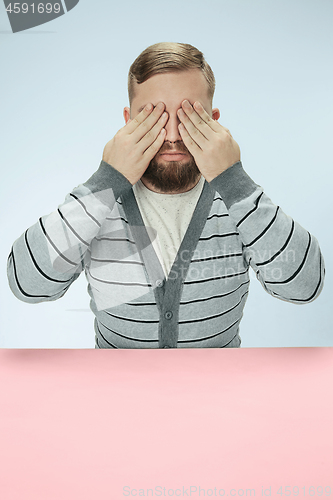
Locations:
(172, 176)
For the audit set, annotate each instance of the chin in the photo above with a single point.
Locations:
(172, 175)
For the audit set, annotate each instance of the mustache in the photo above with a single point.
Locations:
(180, 148)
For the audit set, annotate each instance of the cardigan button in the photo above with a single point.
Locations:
(159, 283)
(168, 315)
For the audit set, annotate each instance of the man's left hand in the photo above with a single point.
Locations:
(211, 144)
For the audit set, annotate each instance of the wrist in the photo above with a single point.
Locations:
(233, 184)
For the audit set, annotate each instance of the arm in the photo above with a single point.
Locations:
(285, 257)
(50, 255)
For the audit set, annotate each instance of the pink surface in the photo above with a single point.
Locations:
(104, 424)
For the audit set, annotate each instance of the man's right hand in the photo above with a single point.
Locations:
(135, 145)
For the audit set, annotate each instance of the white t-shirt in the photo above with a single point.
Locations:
(169, 215)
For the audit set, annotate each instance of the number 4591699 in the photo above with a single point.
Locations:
(40, 8)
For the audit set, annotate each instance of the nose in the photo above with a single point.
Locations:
(171, 127)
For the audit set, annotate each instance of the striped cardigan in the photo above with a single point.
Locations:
(99, 229)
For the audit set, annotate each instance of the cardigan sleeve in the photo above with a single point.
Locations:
(286, 258)
(50, 255)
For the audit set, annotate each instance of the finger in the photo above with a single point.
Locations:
(191, 145)
(152, 134)
(189, 116)
(213, 124)
(201, 119)
(134, 123)
(227, 130)
(148, 122)
(196, 134)
(153, 149)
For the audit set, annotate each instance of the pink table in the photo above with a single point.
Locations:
(187, 423)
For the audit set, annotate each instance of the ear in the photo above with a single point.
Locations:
(215, 114)
(127, 114)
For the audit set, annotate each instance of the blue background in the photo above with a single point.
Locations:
(63, 90)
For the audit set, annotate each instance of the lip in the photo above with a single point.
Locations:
(174, 155)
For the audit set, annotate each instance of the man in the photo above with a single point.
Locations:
(168, 226)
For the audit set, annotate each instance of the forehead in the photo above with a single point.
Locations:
(171, 88)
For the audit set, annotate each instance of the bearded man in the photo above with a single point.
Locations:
(168, 226)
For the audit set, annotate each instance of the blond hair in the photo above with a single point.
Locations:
(166, 57)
